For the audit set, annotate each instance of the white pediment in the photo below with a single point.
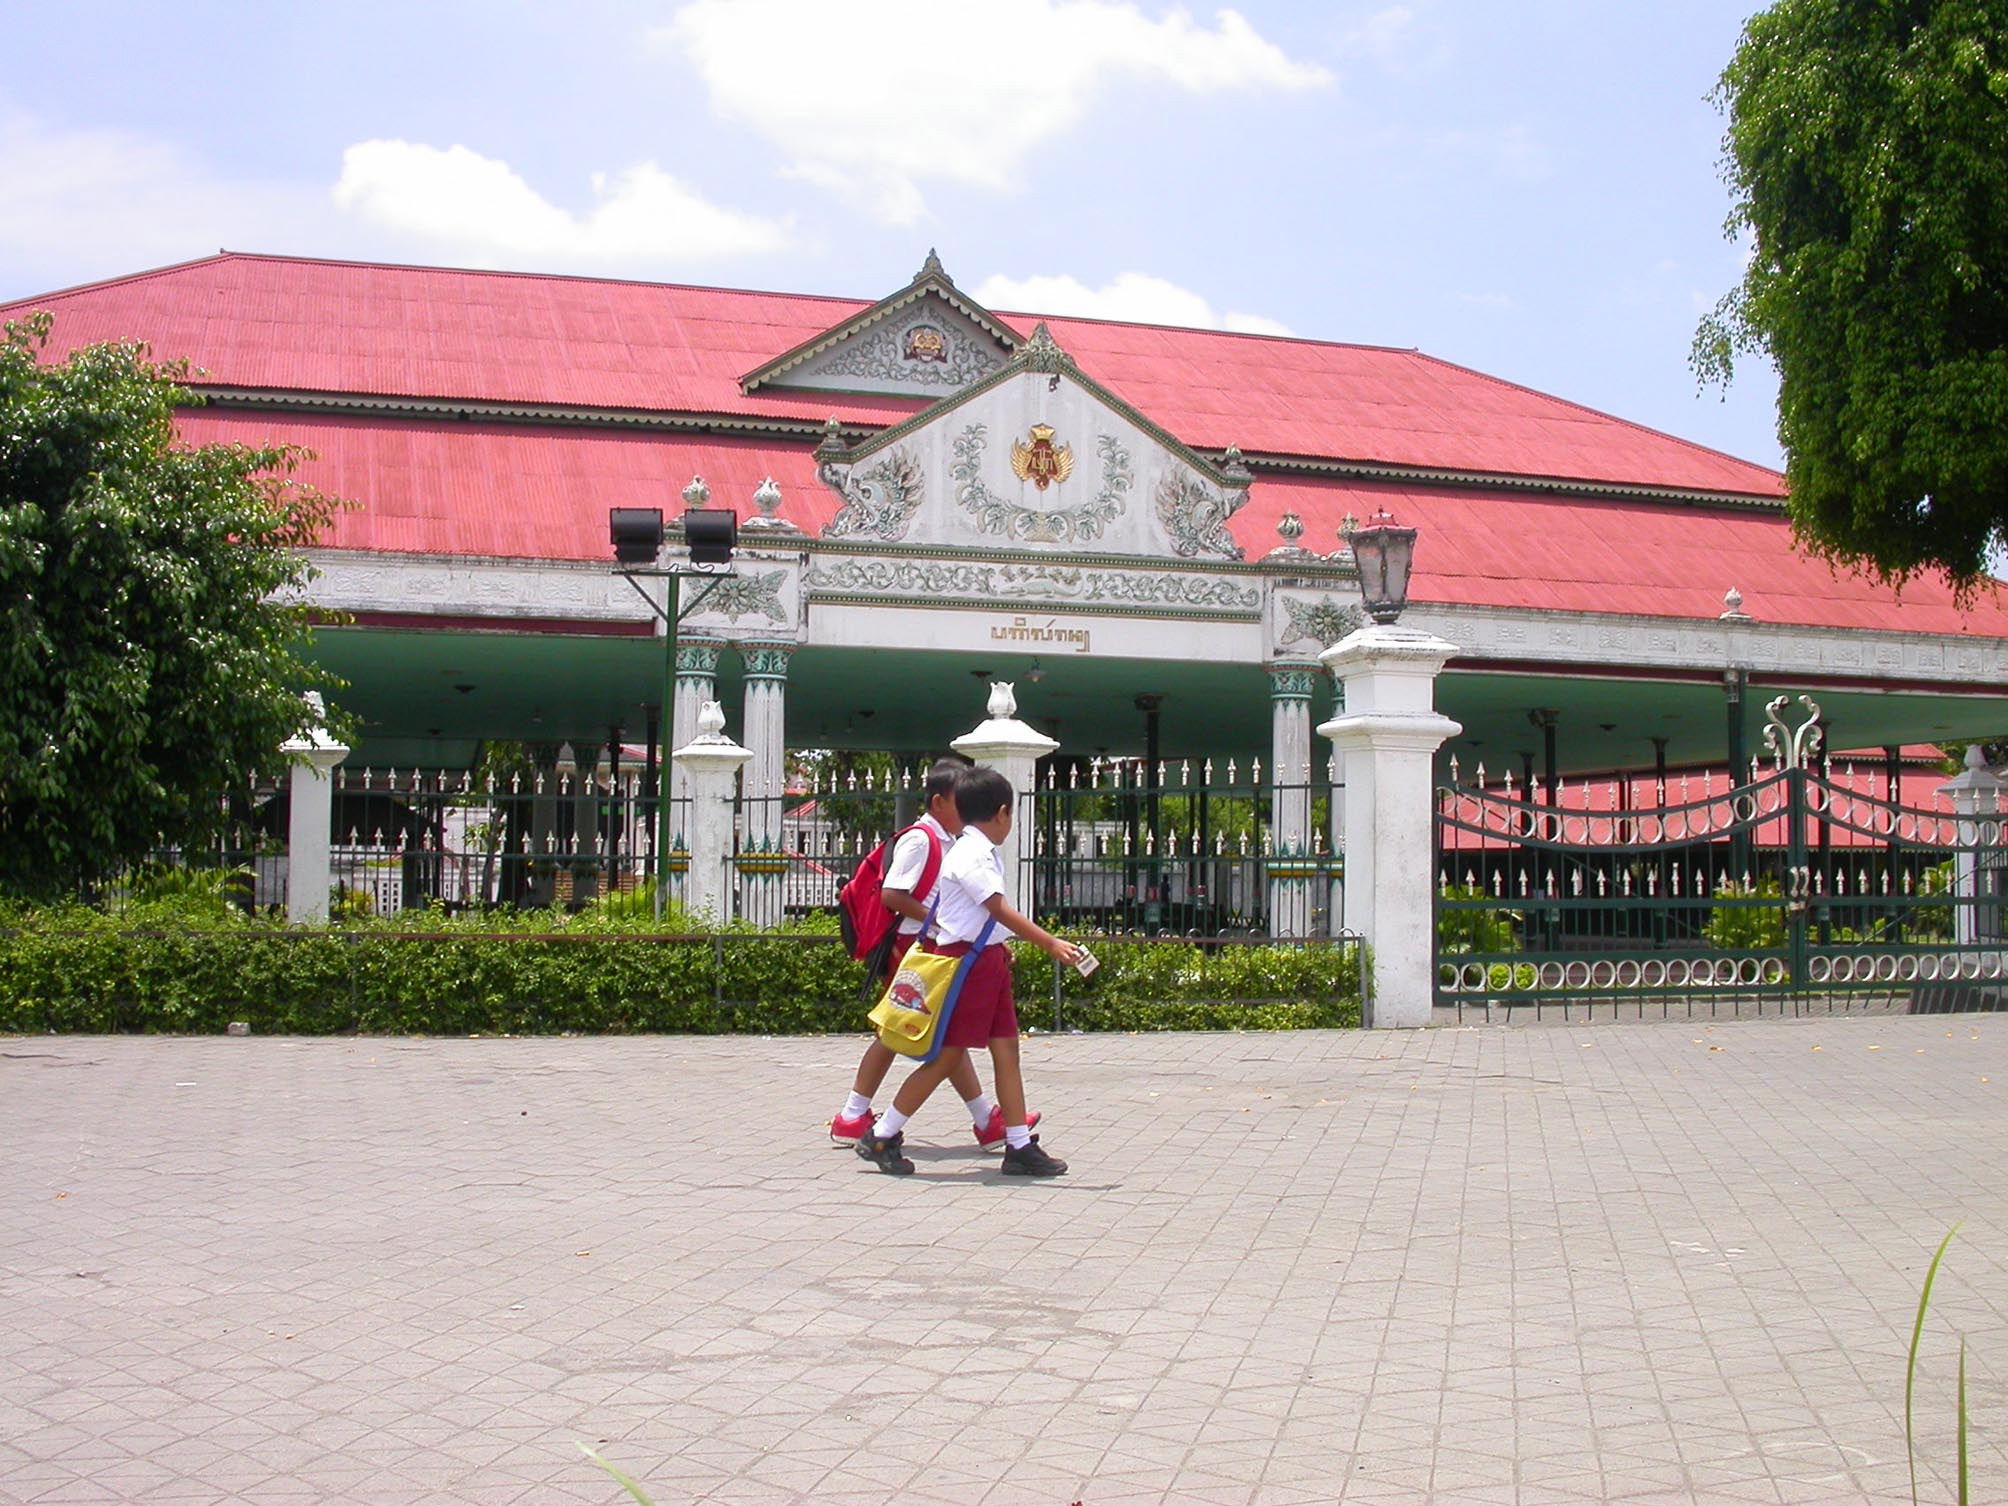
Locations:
(925, 350)
(1038, 457)
(927, 340)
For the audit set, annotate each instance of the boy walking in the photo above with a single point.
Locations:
(973, 916)
(912, 877)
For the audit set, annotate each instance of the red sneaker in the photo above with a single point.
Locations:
(992, 1134)
(845, 1131)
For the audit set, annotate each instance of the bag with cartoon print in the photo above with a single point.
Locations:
(912, 1015)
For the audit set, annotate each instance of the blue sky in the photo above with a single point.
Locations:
(1530, 190)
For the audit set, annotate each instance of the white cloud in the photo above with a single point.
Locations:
(1397, 40)
(880, 96)
(1132, 296)
(83, 204)
(478, 205)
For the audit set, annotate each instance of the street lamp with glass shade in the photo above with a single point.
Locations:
(1384, 554)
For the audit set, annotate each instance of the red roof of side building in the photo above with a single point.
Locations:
(536, 492)
(321, 326)
(1494, 547)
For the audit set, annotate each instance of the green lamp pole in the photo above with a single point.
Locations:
(637, 534)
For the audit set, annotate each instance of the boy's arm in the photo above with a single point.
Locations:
(1006, 915)
(902, 902)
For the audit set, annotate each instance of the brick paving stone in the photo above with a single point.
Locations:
(1629, 1261)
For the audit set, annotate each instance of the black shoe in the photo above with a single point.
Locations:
(1030, 1162)
(885, 1153)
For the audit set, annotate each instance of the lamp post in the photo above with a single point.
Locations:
(637, 535)
(1383, 553)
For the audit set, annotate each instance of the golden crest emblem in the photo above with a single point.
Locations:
(1041, 462)
(926, 343)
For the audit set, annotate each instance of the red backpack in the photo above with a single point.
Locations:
(862, 917)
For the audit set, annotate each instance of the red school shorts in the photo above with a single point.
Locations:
(984, 1010)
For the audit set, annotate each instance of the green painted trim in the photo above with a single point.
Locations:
(526, 413)
(1332, 573)
(1307, 465)
(751, 425)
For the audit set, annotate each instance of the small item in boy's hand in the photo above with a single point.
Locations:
(1086, 963)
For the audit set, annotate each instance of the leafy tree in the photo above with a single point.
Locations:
(1865, 151)
(150, 613)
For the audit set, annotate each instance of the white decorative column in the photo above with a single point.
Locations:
(1389, 733)
(1975, 792)
(1335, 769)
(762, 866)
(1013, 749)
(1291, 866)
(696, 683)
(709, 763)
(309, 831)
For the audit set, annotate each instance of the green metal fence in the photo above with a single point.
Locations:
(1809, 888)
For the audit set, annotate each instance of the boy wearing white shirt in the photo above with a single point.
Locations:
(905, 890)
(974, 913)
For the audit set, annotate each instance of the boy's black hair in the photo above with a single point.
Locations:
(941, 778)
(981, 794)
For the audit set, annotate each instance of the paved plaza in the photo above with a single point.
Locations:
(1647, 1262)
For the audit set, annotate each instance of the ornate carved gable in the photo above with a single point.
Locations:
(1036, 456)
(927, 340)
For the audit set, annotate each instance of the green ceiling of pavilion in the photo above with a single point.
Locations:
(407, 690)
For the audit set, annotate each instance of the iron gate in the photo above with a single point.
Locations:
(1803, 889)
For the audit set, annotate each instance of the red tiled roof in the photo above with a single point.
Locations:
(510, 491)
(1508, 548)
(274, 322)
(529, 491)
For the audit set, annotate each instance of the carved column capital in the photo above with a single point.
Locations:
(1292, 681)
(766, 661)
(697, 656)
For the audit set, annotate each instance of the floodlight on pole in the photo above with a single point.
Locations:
(1384, 554)
(637, 534)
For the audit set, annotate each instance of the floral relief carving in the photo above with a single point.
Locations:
(1029, 525)
(915, 578)
(918, 351)
(736, 596)
(1323, 621)
(880, 502)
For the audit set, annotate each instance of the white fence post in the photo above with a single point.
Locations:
(1389, 733)
(309, 832)
(709, 763)
(1974, 792)
(1013, 749)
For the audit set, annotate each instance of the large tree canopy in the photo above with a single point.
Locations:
(1868, 151)
(150, 615)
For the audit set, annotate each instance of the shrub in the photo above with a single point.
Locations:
(162, 966)
(1747, 917)
(1486, 932)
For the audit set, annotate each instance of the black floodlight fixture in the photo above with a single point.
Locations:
(712, 534)
(1384, 554)
(636, 533)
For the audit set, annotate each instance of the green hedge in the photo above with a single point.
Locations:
(189, 969)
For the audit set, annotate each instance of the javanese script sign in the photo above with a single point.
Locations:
(1021, 630)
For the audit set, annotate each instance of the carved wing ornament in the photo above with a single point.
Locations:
(879, 501)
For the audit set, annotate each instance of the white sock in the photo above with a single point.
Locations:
(1017, 1136)
(890, 1123)
(980, 1109)
(857, 1104)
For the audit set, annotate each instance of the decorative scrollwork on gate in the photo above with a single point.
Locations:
(1793, 748)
